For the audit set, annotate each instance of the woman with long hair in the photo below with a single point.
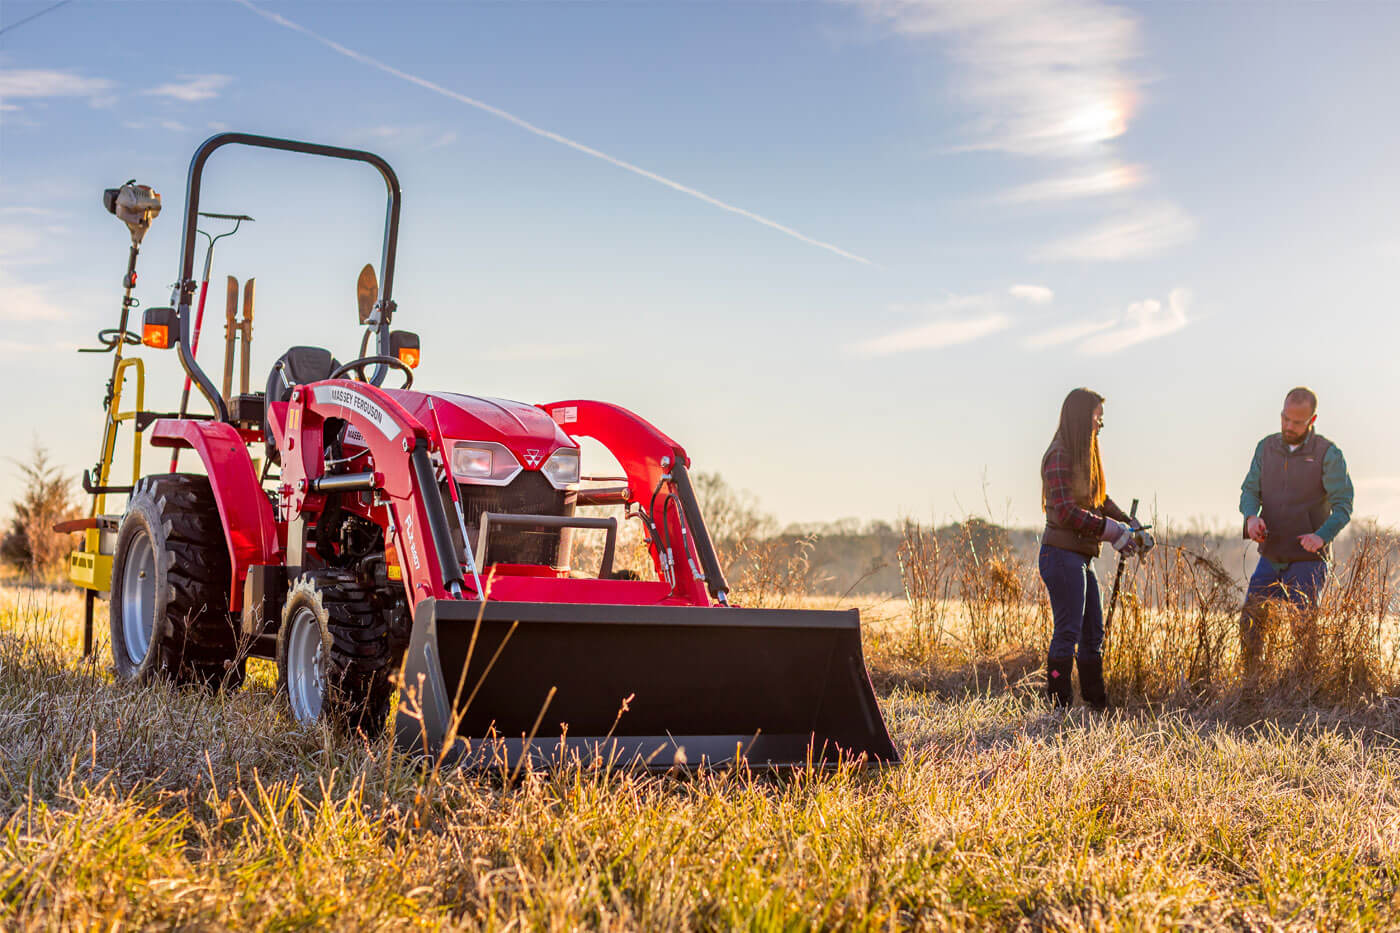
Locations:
(1079, 515)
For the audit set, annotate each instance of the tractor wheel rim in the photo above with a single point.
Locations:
(139, 599)
(305, 674)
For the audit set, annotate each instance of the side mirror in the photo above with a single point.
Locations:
(159, 328)
(404, 345)
(367, 292)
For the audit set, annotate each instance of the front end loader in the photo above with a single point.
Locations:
(409, 553)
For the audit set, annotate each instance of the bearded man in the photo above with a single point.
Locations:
(1296, 498)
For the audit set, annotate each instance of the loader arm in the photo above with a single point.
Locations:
(403, 472)
(656, 468)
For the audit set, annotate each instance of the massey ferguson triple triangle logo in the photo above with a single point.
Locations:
(532, 457)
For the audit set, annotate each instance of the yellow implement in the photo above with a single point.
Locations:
(90, 567)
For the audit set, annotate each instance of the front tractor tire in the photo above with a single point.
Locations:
(334, 659)
(170, 584)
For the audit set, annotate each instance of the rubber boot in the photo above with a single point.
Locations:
(1058, 689)
(1091, 686)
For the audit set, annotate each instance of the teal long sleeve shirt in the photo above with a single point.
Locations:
(1336, 482)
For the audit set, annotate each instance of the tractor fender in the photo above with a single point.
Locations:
(249, 523)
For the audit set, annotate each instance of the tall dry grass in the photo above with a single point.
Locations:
(158, 808)
(1175, 634)
(153, 808)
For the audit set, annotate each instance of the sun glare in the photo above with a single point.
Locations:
(1100, 121)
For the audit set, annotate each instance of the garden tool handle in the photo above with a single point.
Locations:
(1117, 580)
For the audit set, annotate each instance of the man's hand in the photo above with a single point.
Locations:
(1256, 529)
(1311, 543)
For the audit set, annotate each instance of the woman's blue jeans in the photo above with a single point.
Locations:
(1074, 601)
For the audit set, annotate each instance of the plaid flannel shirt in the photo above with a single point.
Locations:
(1060, 504)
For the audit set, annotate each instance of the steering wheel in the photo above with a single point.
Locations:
(358, 366)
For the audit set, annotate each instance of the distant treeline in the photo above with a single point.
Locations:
(862, 557)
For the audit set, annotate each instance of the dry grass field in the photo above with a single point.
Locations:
(1206, 801)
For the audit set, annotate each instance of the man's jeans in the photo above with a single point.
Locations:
(1298, 584)
(1074, 601)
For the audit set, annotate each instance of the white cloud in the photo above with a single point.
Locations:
(1035, 294)
(957, 320)
(191, 88)
(20, 301)
(1049, 79)
(964, 318)
(35, 83)
(934, 335)
(1112, 180)
(1066, 333)
(1045, 77)
(1142, 321)
(1143, 232)
(951, 304)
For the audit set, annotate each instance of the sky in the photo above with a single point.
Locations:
(851, 255)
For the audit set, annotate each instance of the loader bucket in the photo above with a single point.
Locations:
(775, 687)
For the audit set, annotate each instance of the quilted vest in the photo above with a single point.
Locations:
(1295, 501)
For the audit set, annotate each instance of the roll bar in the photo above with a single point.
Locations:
(186, 284)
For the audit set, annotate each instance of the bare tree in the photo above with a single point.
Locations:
(30, 544)
(730, 515)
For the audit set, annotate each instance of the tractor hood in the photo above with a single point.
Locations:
(528, 432)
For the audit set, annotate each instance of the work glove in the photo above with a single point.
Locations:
(1145, 541)
(1119, 535)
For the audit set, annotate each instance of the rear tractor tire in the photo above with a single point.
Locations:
(334, 659)
(170, 584)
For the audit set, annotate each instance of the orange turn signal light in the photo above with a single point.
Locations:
(156, 335)
(157, 327)
(392, 568)
(404, 345)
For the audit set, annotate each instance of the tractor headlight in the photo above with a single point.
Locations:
(562, 468)
(484, 463)
(471, 462)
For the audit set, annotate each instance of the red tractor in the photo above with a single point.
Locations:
(418, 543)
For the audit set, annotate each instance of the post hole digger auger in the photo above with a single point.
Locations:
(430, 532)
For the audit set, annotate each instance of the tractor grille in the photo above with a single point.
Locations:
(529, 494)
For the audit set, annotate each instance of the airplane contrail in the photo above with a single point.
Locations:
(547, 134)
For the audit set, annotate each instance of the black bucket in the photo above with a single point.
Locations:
(701, 686)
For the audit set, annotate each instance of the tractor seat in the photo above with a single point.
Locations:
(296, 367)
